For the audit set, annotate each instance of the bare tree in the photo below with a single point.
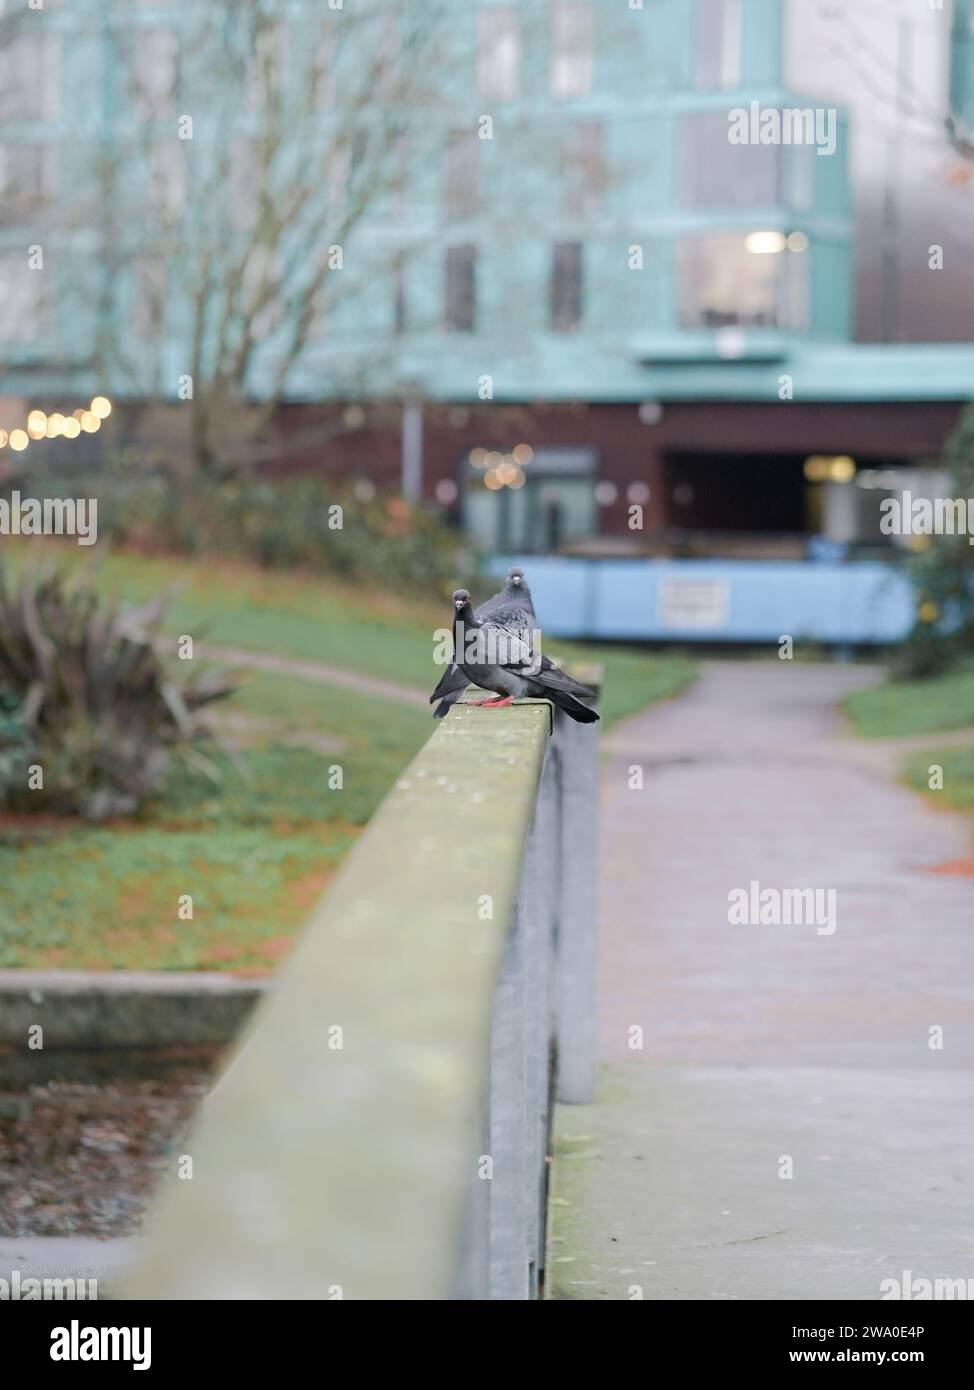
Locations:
(237, 184)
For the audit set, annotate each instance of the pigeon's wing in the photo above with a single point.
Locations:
(514, 649)
(451, 680)
(554, 678)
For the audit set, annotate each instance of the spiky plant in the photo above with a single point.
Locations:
(89, 716)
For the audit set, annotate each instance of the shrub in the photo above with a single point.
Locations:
(85, 697)
(943, 576)
(290, 522)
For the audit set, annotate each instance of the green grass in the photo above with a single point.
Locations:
(958, 775)
(255, 851)
(907, 709)
(387, 635)
(899, 709)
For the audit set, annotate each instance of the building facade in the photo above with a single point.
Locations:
(653, 277)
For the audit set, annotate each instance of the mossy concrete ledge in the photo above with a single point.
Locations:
(337, 1153)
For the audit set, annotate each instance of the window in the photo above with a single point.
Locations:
(566, 286)
(723, 284)
(322, 70)
(498, 52)
(716, 174)
(461, 288)
(267, 65)
(28, 178)
(800, 173)
(155, 72)
(399, 295)
(30, 78)
(571, 50)
(149, 289)
(168, 175)
(345, 168)
(245, 181)
(583, 167)
(718, 43)
(25, 304)
(390, 44)
(399, 175)
(262, 290)
(349, 160)
(460, 175)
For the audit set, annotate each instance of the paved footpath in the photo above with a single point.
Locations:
(764, 1044)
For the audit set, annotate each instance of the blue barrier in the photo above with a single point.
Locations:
(717, 600)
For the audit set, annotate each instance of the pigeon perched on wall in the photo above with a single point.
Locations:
(499, 658)
(511, 607)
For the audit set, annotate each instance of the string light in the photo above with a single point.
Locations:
(42, 426)
(502, 470)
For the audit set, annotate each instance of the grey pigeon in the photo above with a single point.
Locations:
(499, 658)
(511, 607)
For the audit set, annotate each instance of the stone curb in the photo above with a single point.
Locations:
(123, 1009)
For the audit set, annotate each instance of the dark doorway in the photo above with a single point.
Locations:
(736, 492)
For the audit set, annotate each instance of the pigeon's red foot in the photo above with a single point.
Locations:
(497, 704)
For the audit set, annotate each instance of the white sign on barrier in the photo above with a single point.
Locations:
(693, 603)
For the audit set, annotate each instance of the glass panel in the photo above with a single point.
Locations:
(721, 283)
(461, 289)
(25, 306)
(498, 52)
(155, 71)
(718, 43)
(566, 286)
(30, 78)
(584, 170)
(717, 174)
(571, 56)
(460, 175)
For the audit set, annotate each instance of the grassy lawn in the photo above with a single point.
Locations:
(899, 709)
(958, 766)
(383, 634)
(255, 851)
(905, 709)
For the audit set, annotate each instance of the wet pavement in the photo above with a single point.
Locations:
(772, 1120)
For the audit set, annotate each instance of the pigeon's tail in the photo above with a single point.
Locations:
(572, 707)
(451, 686)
